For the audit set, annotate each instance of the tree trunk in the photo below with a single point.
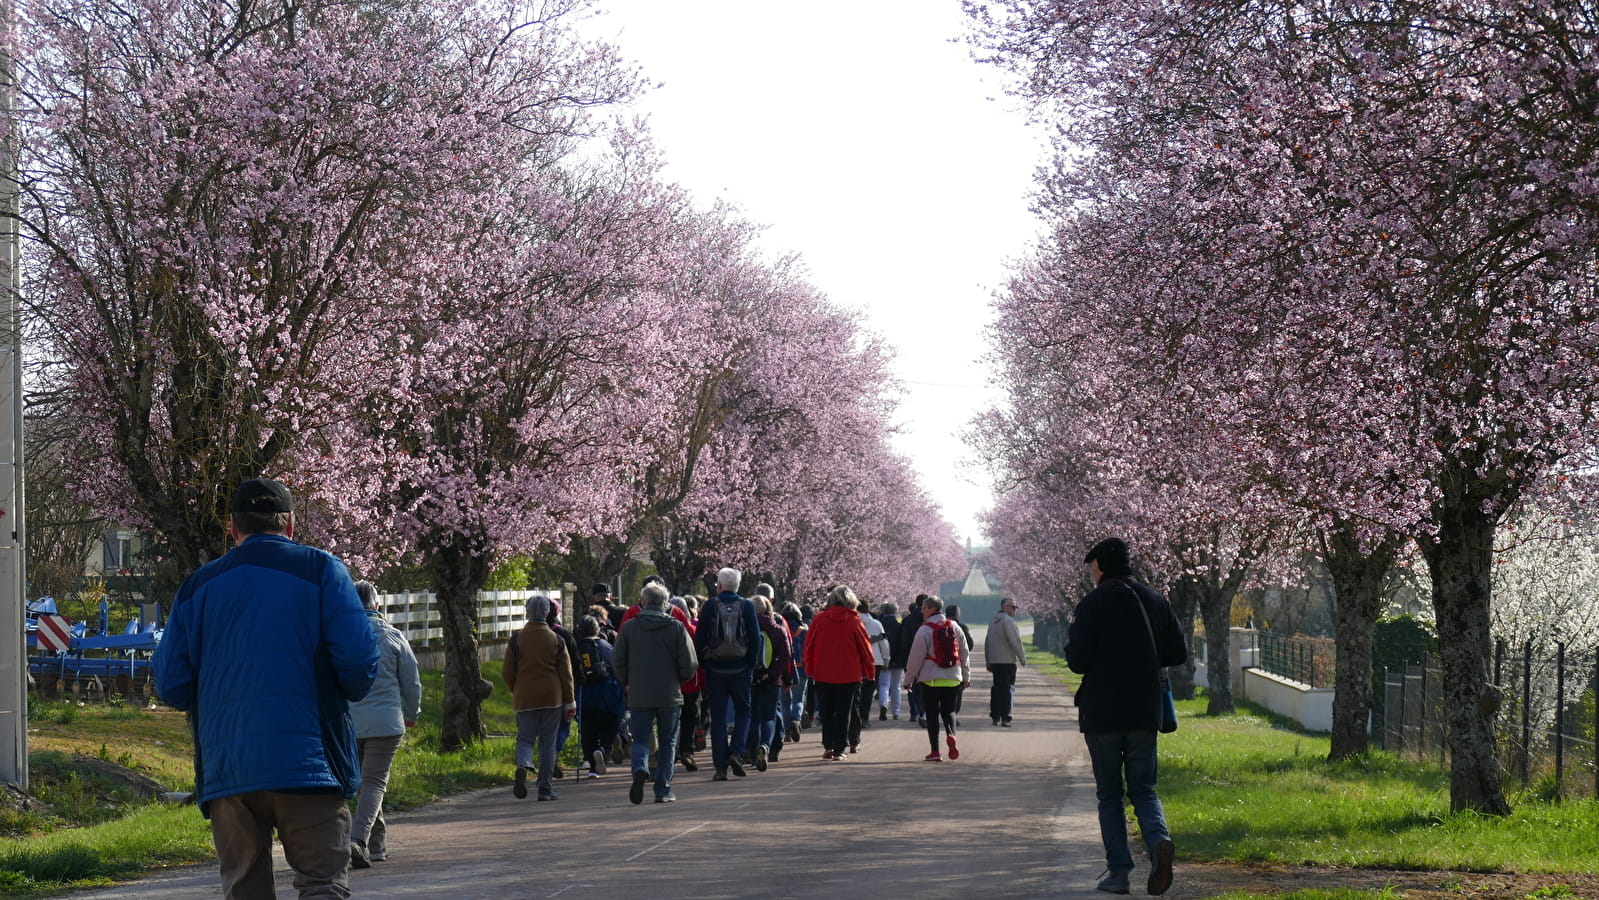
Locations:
(1461, 558)
(679, 566)
(458, 575)
(1358, 577)
(595, 561)
(1216, 609)
(1183, 603)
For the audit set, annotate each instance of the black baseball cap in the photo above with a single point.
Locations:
(262, 495)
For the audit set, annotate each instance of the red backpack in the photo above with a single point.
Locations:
(945, 649)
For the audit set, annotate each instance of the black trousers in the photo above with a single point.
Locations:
(1003, 691)
(861, 709)
(939, 704)
(833, 705)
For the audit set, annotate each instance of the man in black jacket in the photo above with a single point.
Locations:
(892, 678)
(1121, 637)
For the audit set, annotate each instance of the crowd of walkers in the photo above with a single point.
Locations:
(308, 692)
(663, 681)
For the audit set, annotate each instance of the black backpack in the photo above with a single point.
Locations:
(593, 666)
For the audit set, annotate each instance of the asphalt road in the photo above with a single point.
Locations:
(1014, 817)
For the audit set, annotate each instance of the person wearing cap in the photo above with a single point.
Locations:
(1003, 651)
(265, 649)
(1120, 637)
(600, 595)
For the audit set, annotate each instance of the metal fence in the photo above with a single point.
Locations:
(1545, 726)
(1307, 660)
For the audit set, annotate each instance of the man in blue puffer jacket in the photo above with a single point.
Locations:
(265, 649)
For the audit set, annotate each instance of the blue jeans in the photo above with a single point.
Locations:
(564, 731)
(664, 720)
(1129, 754)
(720, 689)
(763, 714)
(794, 700)
(890, 684)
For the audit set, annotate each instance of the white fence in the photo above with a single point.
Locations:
(500, 614)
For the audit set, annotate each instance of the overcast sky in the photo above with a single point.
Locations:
(867, 140)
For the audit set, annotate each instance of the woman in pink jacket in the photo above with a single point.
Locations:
(940, 664)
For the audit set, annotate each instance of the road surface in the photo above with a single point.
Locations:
(1014, 817)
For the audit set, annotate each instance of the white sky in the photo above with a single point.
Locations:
(871, 145)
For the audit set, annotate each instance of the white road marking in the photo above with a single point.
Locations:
(785, 786)
(667, 841)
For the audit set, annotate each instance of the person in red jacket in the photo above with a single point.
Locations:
(838, 657)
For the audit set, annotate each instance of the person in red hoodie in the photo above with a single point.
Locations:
(838, 657)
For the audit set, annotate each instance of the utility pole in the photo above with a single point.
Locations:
(13, 605)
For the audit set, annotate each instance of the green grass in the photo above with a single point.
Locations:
(1312, 895)
(1252, 788)
(149, 837)
(47, 854)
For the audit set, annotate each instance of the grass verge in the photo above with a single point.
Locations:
(46, 853)
(1252, 788)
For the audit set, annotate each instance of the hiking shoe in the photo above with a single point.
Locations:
(736, 766)
(954, 751)
(358, 857)
(1160, 861)
(549, 794)
(688, 764)
(721, 775)
(760, 759)
(935, 756)
(793, 734)
(882, 715)
(1115, 883)
(666, 798)
(519, 790)
(635, 794)
(599, 761)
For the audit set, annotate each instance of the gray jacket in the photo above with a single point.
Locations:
(396, 695)
(1004, 642)
(653, 657)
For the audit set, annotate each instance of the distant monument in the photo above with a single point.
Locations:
(976, 583)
